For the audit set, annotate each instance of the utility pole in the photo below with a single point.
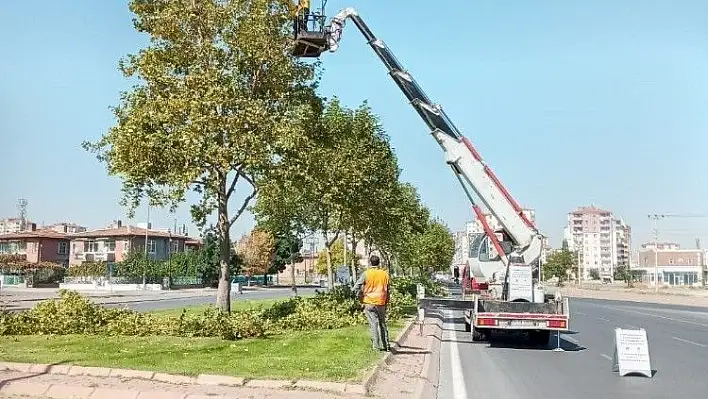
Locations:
(655, 217)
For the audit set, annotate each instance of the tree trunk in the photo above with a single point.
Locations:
(223, 294)
(354, 260)
(328, 253)
(292, 276)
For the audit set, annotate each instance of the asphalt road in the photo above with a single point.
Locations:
(178, 303)
(509, 368)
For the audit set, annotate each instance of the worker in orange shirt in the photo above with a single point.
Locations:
(374, 288)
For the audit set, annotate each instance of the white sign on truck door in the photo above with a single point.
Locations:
(520, 282)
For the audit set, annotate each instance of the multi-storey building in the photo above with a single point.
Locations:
(65, 227)
(623, 241)
(13, 225)
(37, 245)
(601, 241)
(113, 244)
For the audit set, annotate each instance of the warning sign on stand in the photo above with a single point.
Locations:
(631, 352)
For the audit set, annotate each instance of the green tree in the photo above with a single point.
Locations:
(218, 101)
(287, 251)
(336, 183)
(594, 273)
(432, 250)
(208, 258)
(336, 257)
(559, 264)
(405, 219)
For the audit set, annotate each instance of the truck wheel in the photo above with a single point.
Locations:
(477, 335)
(468, 327)
(540, 337)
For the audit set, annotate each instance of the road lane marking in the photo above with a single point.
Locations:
(459, 390)
(658, 316)
(690, 342)
(604, 319)
(606, 356)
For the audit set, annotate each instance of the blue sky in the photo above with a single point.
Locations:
(571, 102)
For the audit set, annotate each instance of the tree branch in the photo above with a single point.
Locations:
(243, 207)
(233, 185)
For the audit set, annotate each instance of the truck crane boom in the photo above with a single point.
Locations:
(465, 161)
(518, 246)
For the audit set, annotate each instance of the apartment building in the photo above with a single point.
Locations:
(461, 247)
(623, 242)
(13, 225)
(66, 227)
(37, 245)
(112, 244)
(676, 266)
(602, 241)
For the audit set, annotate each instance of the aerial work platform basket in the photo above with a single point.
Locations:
(310, 33)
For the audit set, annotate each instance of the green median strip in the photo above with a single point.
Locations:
(243, 304)
(342, 354)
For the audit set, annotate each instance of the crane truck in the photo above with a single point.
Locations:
(502, 268)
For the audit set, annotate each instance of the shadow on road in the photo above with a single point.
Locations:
(519, 341)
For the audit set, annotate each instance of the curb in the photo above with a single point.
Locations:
(371, 376)
(174, 379)
(430, 373)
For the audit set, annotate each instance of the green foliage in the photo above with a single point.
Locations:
(88, 269)
(594, 273)
(430, 250)
(560, 264)
(217, 101)
(287, 250)
(72, 313)
(138, 264)
(408, 286)
(342, 181)
(337, 257)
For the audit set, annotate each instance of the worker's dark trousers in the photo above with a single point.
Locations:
(376, 315)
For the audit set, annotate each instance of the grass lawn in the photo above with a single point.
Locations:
(333, 355)
(235, 305)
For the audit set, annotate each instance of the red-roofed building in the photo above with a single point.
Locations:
(113, 244)
(37, 245)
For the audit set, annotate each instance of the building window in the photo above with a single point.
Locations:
(152, 246)
(90, 246)
(111, 245)
(175, 246)
(63, 247)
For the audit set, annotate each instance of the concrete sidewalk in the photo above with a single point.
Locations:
(101, 383)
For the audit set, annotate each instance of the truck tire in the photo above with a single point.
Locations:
(540, 337)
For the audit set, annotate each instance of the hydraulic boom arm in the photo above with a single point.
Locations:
(465, 161)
